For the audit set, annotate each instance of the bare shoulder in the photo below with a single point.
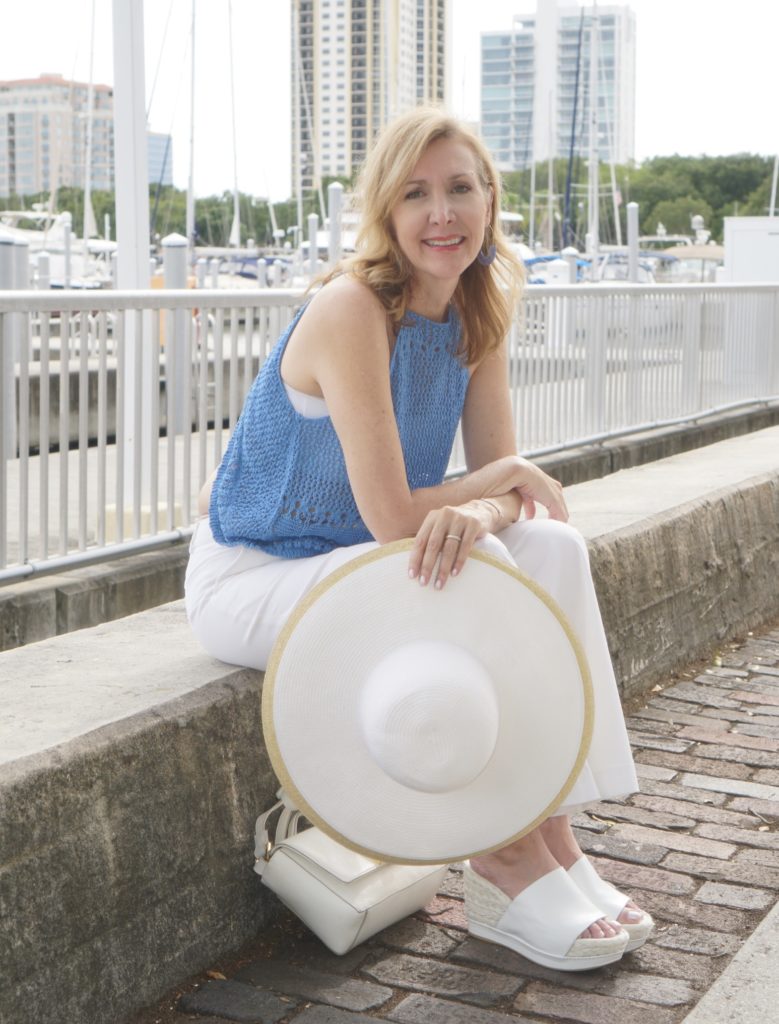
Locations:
(342, 331)
(345, 305)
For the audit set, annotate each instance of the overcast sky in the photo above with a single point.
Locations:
(706, 79)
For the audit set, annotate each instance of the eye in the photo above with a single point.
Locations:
(462, 188)
(415, 193)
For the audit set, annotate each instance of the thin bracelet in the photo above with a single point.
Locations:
(494, 507)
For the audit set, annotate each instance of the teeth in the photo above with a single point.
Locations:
(441, 245)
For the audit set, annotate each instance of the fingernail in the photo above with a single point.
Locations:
(422, 580)
(438, 584)
(454, 572)
(411, 574)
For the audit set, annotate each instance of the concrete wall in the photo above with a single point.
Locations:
(677, 583)
(126, 855)
(35, 609)
(92, 385)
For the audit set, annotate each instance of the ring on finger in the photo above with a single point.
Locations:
(453, 536)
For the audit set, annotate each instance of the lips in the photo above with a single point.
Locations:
(444, 243)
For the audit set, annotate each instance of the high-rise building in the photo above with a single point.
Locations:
(159, 156)
(536, 84)
(43, 137)
(356, 64)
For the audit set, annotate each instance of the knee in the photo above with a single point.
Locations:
(541, 539)
(562, 535)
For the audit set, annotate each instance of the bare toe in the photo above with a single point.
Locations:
(631, 914)
(601, 929)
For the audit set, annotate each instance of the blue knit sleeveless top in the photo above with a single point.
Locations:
(282, 485)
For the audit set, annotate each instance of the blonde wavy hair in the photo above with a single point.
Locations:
(485, 297)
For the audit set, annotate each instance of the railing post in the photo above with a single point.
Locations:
(633, 242)
(177, 357)
(595, 362)
(66, 240)
(9, 346)
(335, 198)
(213, 267)
(44, 272)
(201, 268)
(570, 255)
(313, 227)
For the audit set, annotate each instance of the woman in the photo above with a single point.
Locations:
(343, 444)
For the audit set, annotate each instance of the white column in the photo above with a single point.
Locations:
(8, 354)
(335, 197)
(132, 235)
(633, 242)
(131, 170)
(44, 271)
(177, 361)
(67, 238)
(313, 227)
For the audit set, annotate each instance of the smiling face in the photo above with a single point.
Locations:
(440, 218)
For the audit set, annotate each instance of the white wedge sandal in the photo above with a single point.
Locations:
(611, 902)
(542, 923)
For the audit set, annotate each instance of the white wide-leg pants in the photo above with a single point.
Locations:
(238, 600)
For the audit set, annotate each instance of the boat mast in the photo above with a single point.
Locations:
(191, 183)
(594, 190)
(90, 227)
(235, 230)
(567, 230)
(297, 134)
(550, 183)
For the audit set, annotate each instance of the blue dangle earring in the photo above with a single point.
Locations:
(488, 252)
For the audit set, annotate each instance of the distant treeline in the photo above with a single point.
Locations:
(168, 212)
(669, 190)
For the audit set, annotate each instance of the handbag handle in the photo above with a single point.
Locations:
(288, 824)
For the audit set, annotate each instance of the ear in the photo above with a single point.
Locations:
(490, 197)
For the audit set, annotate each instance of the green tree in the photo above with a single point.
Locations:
(676, 214)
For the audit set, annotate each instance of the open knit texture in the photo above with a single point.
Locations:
(282, 484)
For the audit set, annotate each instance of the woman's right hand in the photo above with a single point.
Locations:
(533, 485)
(538, 487)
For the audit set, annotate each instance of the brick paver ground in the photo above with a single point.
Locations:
(698, 847)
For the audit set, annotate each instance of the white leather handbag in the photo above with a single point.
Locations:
(342, 896)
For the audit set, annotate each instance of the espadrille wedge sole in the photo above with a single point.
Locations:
(542, 923)
(610, 901)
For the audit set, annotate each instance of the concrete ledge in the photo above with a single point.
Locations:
(51, 605)
(134, 766)
(748, 988)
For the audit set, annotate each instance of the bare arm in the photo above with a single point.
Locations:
(488, 437)
(342, 343)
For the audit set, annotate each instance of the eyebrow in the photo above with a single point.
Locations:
(452, 177)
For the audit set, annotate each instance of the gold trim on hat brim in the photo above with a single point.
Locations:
(272, 745)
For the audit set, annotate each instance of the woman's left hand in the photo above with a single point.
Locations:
(445, 539)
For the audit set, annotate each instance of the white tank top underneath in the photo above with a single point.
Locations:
(312, 407)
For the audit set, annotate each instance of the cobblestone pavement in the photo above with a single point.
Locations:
(698, 847)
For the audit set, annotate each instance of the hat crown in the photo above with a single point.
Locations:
(429, 716)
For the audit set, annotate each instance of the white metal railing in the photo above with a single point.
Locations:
(116, 406)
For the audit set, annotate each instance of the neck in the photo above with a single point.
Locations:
(434, 305)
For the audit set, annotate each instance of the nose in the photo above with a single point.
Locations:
(441, 209)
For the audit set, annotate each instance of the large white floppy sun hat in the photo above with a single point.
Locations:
(422, 726)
